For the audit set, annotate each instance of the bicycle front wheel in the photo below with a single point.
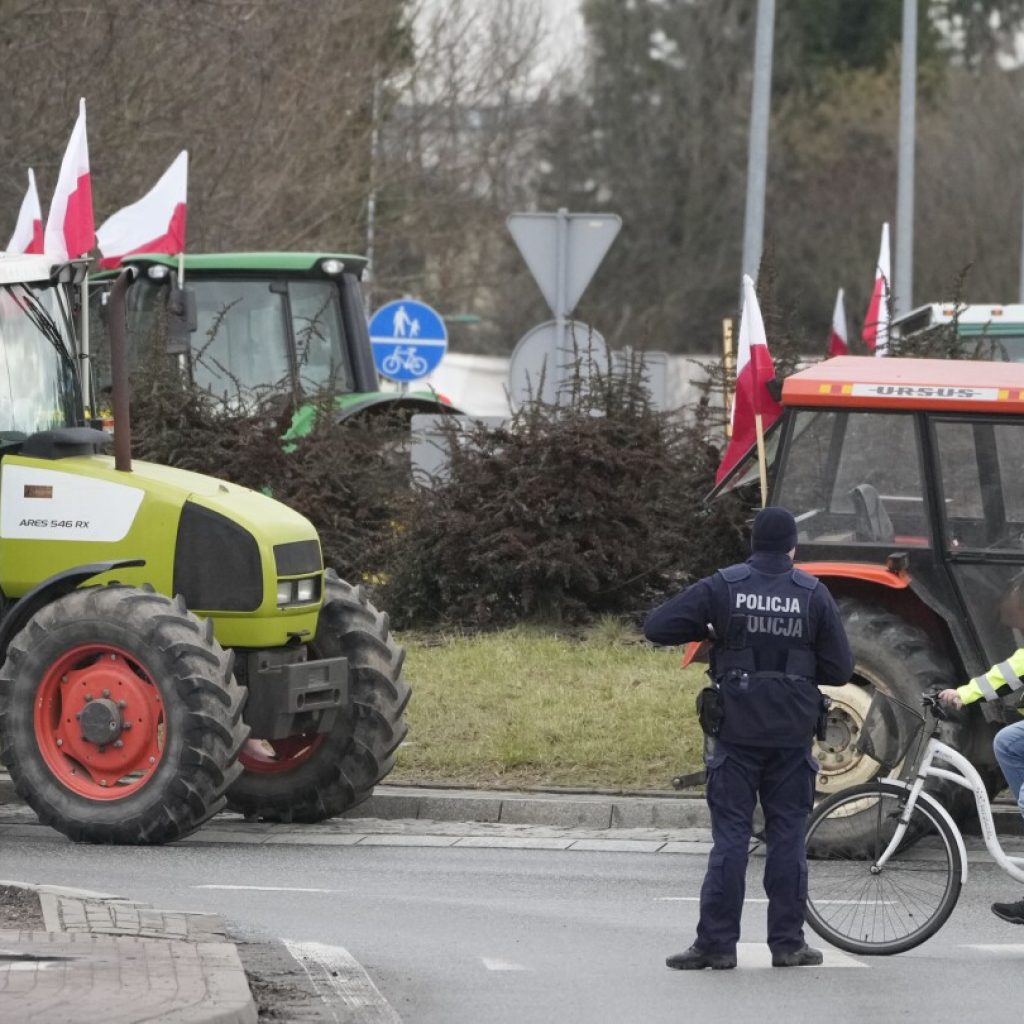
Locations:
(898, 907)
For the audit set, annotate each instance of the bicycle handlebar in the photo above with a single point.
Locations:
(942, 712)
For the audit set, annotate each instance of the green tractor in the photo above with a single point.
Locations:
(279, 328)
(126, 713)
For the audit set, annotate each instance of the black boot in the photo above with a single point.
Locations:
(802, 957)
(695, 959)
(1012, 912)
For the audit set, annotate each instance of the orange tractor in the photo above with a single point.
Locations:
(907, 483)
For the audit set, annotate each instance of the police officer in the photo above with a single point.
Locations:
(776, 634)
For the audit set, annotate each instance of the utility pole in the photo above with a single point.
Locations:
(757, 161)
(903, 292)
(1021, 290)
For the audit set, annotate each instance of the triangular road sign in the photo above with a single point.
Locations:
(588, 237)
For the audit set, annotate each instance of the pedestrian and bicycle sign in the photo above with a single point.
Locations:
(409, 339)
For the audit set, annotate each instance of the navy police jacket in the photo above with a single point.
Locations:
(776, 636)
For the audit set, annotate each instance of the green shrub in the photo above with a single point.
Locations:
(564, 514)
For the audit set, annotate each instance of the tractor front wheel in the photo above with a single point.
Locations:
(314, 776)
(120, 719)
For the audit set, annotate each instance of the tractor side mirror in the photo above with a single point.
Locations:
(181, 304)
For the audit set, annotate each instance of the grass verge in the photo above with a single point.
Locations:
(527, 707)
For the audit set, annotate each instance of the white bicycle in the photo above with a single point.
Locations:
(888, 887)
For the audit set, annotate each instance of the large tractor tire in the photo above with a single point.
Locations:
(310, 777)
(899, 659)
(120, 719)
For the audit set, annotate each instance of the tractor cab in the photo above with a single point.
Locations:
(906, 481)
(248, 328)
(39, 390)
(984, 330)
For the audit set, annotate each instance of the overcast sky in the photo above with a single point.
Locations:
(564, 12)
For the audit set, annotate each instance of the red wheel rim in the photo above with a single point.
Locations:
(136, 736)
(288, 754)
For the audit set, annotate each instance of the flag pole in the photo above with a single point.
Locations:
(727, 363)
(762, 460)
(83, 353)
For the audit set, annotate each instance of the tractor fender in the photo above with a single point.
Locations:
(957, 635)
(50, 590)
(384, 402)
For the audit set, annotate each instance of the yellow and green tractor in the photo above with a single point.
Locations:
(171, 644)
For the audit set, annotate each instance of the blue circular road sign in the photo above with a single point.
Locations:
(409, 339)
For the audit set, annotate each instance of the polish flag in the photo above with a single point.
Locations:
(754, 369)
(876, 322)
(156, 223)
(28, 232)
(70, 228)
(838, 339)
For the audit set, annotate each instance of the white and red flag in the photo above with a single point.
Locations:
(156, 223)
(70, 228)
(838, 339)
(754, 370)
(876, 322)
(28, 231)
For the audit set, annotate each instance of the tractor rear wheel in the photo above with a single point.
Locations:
(311, 777)
(899, 659)
(120, 719)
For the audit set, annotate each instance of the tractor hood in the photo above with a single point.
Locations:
(224, 548)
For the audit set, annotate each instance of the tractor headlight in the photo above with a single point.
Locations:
(304, 591)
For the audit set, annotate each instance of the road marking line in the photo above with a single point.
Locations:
(339, 978)
(1006, 948)
(267, 888)
(755, 955)
(696, 899)
(502, 965)
(817, 903)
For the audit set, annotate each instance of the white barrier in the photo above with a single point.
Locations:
(478, 384)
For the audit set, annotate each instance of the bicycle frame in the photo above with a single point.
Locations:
(965, 776)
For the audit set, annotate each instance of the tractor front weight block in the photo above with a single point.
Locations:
(288, 696)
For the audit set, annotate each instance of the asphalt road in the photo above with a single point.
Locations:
(468, 935)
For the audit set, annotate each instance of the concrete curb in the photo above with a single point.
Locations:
(560, 809)
(121, 961)
(579, 810)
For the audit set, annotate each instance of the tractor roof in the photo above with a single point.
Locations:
(992, 318)
(951, 385)
(248, 262)
(16, 267)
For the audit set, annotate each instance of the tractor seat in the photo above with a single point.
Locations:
(872, 520)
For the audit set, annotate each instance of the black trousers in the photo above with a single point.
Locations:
(783, 778)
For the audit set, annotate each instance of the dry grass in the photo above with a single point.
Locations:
(527, 707)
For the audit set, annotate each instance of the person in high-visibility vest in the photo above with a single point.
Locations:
(1001, 679)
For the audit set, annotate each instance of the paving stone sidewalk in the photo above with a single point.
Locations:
(106, 958)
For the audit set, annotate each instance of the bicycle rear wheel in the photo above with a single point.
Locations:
(905, 903)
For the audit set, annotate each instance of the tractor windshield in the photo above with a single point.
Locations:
(254, 336)
(38, 386)
(855, 478)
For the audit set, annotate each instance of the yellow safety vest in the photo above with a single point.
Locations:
(1001, 679)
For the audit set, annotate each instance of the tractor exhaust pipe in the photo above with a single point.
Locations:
(117, 321)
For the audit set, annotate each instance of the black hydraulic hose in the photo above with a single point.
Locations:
(117, 321)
